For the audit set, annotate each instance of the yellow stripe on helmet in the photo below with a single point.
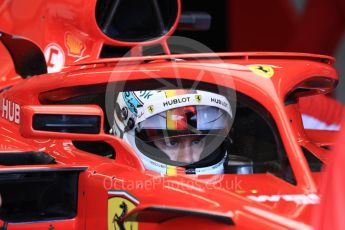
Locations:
(171, 170)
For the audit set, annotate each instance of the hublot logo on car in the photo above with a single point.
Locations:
(10, 111)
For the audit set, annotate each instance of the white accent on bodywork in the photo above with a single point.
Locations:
(313, 123)
(296, 198)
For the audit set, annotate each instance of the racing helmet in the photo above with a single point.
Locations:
(175, 131)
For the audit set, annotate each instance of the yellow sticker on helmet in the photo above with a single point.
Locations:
(150, 109)
(198, 98)
(265, 71)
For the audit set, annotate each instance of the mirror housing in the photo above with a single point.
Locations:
(61, 121)
(311, 86)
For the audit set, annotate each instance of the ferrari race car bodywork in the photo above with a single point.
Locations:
(60, 167)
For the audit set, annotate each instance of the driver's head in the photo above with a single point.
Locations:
(175, 130)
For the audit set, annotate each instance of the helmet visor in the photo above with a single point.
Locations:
(187, 120)
(185, 135)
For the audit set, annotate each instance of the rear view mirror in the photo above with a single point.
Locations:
(61, 121)
(311, 86)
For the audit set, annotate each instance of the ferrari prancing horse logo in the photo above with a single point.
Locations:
(119, 207)
(265, 71)
(198, 98)
(150, 108)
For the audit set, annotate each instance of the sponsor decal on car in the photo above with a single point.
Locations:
(296, 198)
(10, 111)
(120, 203)
(265, 71)
(74, 45)
(55, 58)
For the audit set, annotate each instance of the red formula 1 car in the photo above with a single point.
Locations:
(150, 141)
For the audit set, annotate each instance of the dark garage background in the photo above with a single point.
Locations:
(309, 26)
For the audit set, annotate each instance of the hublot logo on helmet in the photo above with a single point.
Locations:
(176, 101)
(220, 102)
